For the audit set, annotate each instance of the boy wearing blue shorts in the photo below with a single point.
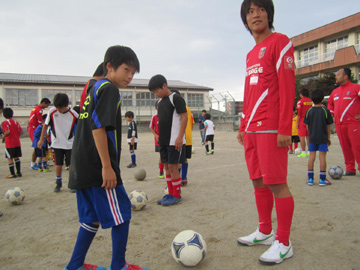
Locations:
(318, 120)
(95, 171)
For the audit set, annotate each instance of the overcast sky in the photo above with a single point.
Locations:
(202, 42)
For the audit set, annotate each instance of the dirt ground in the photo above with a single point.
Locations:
(218, 203)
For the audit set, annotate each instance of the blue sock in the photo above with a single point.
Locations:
(39, 165)
(311, 174)
(85, 237)
(184, 170)
(323, 175)
(133, 157)
(119, 235)
(44, 163)
(59, 179)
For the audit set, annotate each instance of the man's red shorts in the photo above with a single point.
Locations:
(303, 132)
(31, 133)
(265, 159)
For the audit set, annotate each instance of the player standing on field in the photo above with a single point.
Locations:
(265, 130)
(302, 106)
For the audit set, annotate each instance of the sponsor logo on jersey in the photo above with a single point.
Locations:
(262, 52)
(289, 63)
(336, 98)
(348, 93)
(259, 123)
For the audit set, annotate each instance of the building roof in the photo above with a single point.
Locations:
(67, 80)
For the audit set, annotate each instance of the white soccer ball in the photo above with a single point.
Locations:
(298, 151)
(15, 195)
(335, 172)
(166, 190)
(188, 248)
(138, 199)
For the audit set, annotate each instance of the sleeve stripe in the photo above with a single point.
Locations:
(283, 52)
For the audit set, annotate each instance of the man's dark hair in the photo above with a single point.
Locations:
(45, 100)
(61, 100)
(156, 82)
(99, 70)
(118, 55)
(207, 116)
(347, 72)
(129, 114)
(8, 113)
(317, 96)
(305, 92)
(1, 104)
(267, 4)
(203, 111)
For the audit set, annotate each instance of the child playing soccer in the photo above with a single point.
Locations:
(132, 137)
(302, 106)
(265, 129)
(210, 131)
(95, 171)
(11, 133)
(154, 127)
(40, 153)
(61, 120)
(172, 124)
(294, 133)
(318, 120)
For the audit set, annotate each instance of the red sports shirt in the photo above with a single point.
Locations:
(35, 117)
(303, 105)
(13, 139)
(154, 124)
(269, 87)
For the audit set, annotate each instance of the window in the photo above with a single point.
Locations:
(50, 93)
(77, 97)
(357, 43)
(145, 99)
(335, 44)
(126, 98)
(21, 97)
(309, 55)
(195, 100)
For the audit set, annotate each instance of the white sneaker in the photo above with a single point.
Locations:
(257, 238)
(276, 253)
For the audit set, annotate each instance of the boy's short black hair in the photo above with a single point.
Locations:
(305, 92)
(129, 114)
(8, 113)
(203, 111)
(207, 116)
(347, 72)
(45, 100)
(267, 4)
(156, 82)
(118, 55)
(44, 116)
(61, 100)
(317, 96)
(99, 70)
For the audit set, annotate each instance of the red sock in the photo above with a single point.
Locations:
(161, 167)
(291, 148)
(284, 212)
(176, 183)
(264, 202)
(169, 184)
(296, 145)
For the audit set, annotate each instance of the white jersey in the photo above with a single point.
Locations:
(210, 127)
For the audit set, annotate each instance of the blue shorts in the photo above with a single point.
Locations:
(109, 207)
(318, 147)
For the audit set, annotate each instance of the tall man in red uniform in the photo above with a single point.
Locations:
(344, 105)
(302, 106)
(266, 125)
(35, 119)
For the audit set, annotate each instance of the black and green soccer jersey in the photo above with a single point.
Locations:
(317, 119)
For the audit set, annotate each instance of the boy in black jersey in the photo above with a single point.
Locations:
(95, 172)
(172, 124)
(132, 137)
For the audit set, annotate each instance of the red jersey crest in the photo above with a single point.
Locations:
(262, 52)
(289, 63)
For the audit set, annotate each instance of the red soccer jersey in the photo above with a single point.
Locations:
(154, 124)
(13, 139)
(269, 86)
(35, 117)
(344, 103)
(303, 105)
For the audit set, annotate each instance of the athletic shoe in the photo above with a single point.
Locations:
(11, 176)
(172, 200)
(58, 187)
(212, 152)
(19, 174)
(73, 190)
(47, 170)
(40, 170)
(88, 267)
(324, 182)
(327, 182)
(35, 167)
(131, 267)
(310, 181)
(208, 153)
(67, 168)
(302, 155)
(308, 154)
(131, 165)
(347, 173)
(291, 152)
(184, 182)
(163, 199)
(257, 238)
(276, 253)
(1, 213)
(161, 175)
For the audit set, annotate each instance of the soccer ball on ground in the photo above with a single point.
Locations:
(335, 172)
(298, 151)
(15, 195)
(138, 199)
(166, 190)
(188, 248)
(139, 174)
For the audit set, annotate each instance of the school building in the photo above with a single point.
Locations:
(329, 48)
(22, 92)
